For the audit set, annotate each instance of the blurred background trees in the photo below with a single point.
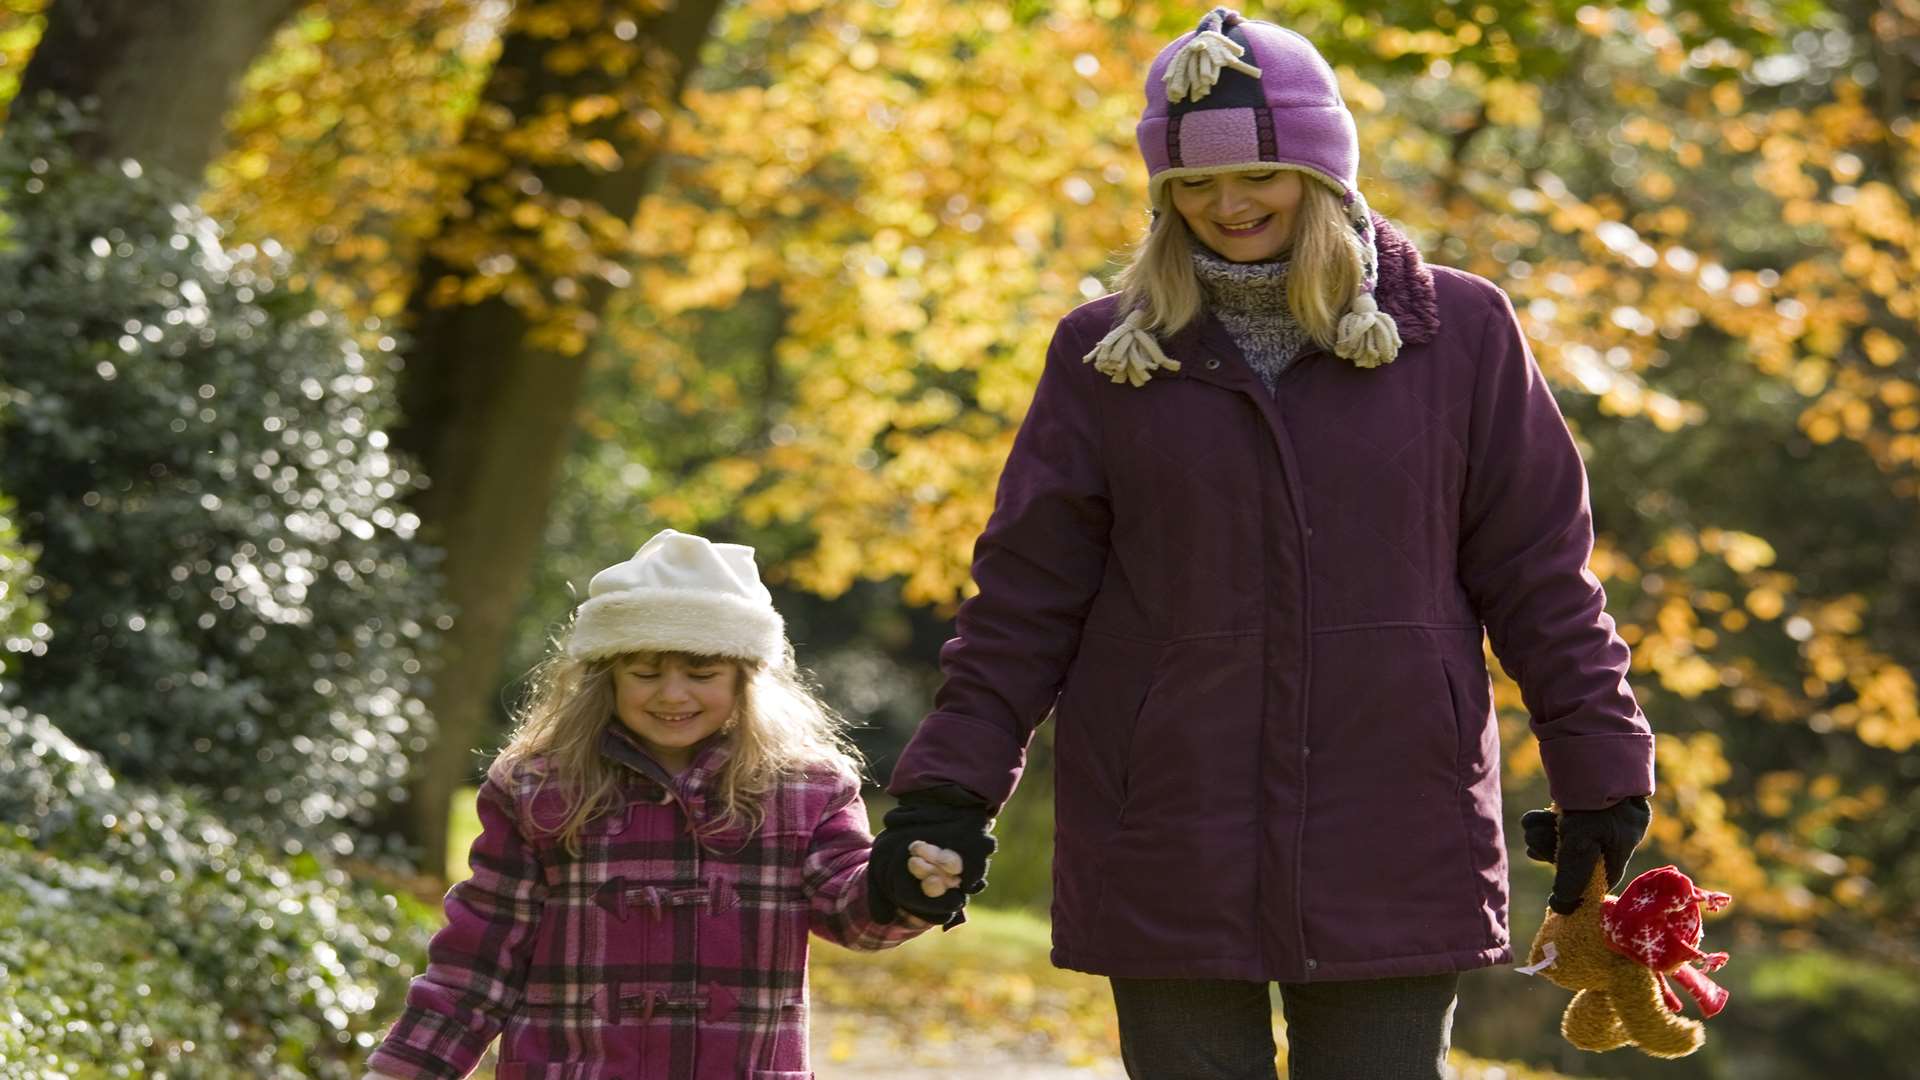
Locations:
(783, 270)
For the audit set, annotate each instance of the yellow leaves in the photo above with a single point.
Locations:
(251, 165)
(1742, 552)
(1739, 136)
(1881, 347)
(1880, 213)
(1594, 20)
(1512, 103)
(1679, 549)
(1726, 97)
(1361, 96)
(1610, 564)
(1766, 604)
(592, 107)
(600, 154)
(1393, 42)
(1658, 185)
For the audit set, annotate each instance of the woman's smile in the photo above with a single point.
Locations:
(1245, 228)
(1243, 216)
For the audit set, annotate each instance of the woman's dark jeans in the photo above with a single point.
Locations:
(1220, 1029)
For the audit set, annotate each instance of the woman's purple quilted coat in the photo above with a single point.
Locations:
(1258, 622)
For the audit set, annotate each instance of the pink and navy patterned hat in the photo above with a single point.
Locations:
(1237, 94)
(1242, 95)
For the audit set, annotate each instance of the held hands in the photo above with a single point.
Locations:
(931, 826)
(937, 868)
(1579, 839)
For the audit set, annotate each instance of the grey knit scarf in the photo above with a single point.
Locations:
(1250, 300)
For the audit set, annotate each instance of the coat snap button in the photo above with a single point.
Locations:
(1313, 965)
(1212, 362)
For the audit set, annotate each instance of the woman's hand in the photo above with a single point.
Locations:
(937, 868)
(1575, 840)
(949, 821)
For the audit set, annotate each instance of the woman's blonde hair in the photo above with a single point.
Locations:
(780, 728)
(1321, 280)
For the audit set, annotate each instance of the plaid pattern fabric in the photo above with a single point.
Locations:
(652, 953)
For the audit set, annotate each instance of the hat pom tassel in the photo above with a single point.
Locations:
(1197, 67)
(1368, 336)
(1129, 354)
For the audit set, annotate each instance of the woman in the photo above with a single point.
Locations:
(1266, 499)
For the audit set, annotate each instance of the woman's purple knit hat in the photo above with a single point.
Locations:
(1242, 95)
(1237, 93)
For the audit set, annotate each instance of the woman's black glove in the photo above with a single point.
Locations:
(946, 816)
(1580, 838)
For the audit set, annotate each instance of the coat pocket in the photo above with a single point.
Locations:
(1385, 852)
(1192, 816)
(1106, 688)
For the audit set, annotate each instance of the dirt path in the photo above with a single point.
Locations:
(843, 1047)
(997, 1070)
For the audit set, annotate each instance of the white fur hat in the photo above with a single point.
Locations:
(680, 593)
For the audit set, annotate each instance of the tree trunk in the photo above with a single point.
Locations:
(163, 72)
(489, 413)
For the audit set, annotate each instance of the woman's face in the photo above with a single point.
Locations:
(671, 702)
(1245, 216)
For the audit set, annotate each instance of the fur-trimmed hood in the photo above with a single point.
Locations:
(1406, 289)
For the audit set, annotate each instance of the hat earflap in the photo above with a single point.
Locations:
(1197, 66)
(1367, 336)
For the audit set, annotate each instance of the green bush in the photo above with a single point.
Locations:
(235, 594)
(144, 938)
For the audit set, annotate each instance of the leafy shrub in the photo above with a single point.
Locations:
(144, 938)
(20, 627)
(235, 594)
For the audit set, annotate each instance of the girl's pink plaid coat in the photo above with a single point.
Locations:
(652, 954)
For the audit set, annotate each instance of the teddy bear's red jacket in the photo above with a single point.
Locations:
(651, 954)
(1258, 621)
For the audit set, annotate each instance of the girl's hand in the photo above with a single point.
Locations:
(937, 868)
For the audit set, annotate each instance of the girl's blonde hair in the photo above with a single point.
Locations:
(779, 729)
(1325, 271)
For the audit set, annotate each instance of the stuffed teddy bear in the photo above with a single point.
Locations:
(1616, 954)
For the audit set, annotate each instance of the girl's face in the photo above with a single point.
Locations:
(671, 702)
(1244, 216)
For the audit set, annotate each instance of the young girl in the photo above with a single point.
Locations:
(672, 815)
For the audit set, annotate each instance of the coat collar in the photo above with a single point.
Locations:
(1405, 291)
(692, 787)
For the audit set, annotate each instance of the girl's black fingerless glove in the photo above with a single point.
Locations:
(947, 816)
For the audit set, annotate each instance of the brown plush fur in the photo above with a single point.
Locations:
(1616, 1001)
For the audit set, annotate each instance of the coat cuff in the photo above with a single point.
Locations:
(1592, 772)
(425, 1045)
(953, 749)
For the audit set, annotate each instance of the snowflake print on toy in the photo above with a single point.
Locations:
(1616, 954)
